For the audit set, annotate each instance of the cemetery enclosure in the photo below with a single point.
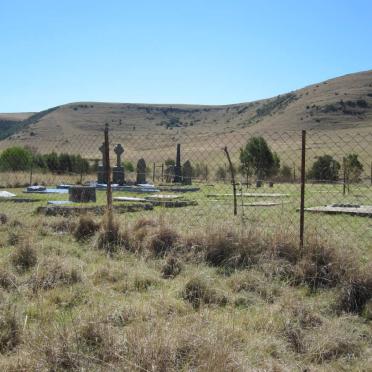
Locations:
(195, 180)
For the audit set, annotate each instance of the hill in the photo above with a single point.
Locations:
(343, 103)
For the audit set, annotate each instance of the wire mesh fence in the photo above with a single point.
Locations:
(251, 181)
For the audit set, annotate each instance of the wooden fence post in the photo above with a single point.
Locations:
(302, 206)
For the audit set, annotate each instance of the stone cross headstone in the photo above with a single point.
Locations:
(141, 171)
(177, 168)
(118, 171)
(119, 150)
(187, 173)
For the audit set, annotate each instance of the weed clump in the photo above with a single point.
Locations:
(7, 280)
(3, 218)
(322, 267)
(24, 256)
(355, 294)
(10, 330)
(198, 292)
(110, 237)
(86, 228)
(171, 268)
(143, 222)
(53, 273)
(163, 241)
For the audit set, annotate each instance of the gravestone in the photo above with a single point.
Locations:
(271, 184)
(141, 171)
(187, 173)
(177, 168)
(82, 194)
(118, 170)
(258, 183)
(101, 170)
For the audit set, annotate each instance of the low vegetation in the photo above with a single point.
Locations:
(141, 295)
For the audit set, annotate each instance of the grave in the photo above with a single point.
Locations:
(43, 190)
(258, 183)
(6, 194)
(82, 194)
(118, 176)
(141, 172)
(62, 210)
(164, 197)
(251, 195)
(350, 209)
(59, 202)
(128, 199)
(173, 203)
(178, 188)
(187, 173)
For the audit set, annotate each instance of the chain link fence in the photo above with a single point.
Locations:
(252, 181)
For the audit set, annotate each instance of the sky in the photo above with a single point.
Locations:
(54, 52)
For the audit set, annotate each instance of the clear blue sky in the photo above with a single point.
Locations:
(172, 51)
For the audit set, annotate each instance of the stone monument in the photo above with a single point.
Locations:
(141, 171)
(177, 167)
(118, 170)
(101, 171)
(82, 194)
(187, 173)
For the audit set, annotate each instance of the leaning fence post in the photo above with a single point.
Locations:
(232, 179)
(108, 176)
(302, 207)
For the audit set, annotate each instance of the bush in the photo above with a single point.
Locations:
(24, 257)
(85, 228)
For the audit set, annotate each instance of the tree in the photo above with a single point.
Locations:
(258, 157)
(353, 168)
(325, 168)
(15, 159)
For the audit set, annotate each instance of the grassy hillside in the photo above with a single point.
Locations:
(344, 103)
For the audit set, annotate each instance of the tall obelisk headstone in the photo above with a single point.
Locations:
(177, 168)
(101, 171)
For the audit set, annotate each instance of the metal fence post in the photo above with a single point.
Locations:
(108, 174)
(302, 206)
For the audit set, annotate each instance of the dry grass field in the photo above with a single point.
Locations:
(149, 294)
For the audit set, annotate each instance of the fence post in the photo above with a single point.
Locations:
(232, 179)
(343, 165)
(31, 169)
(108, 175)
(153, 173)
(302, 206)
